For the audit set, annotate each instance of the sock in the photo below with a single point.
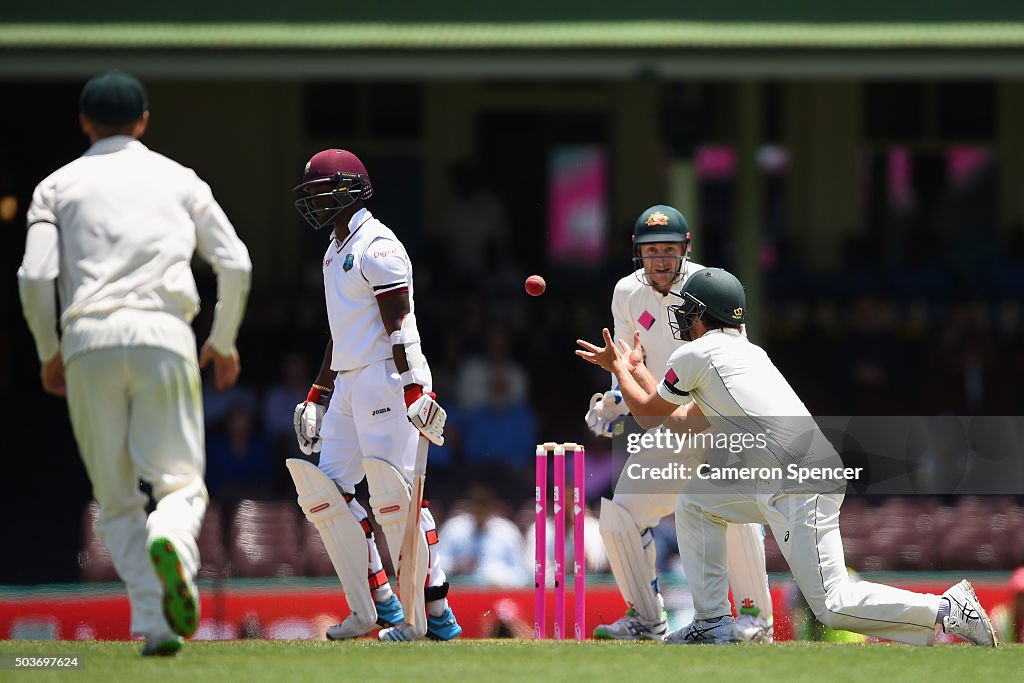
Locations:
(437, 599)
(436, 608)
(382, 594)
(943, 611)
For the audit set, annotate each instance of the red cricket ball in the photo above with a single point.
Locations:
(535, 285)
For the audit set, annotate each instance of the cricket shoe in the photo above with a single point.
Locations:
(967, 618)
(390, 612)
(633, 627)
(754, 629)
(355, 625)
(399, 634)
(721, 631)
(444, 627)
(180, 596)
(164, 644)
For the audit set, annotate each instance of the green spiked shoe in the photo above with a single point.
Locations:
(181, 599)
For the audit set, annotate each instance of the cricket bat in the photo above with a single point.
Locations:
(412, 559)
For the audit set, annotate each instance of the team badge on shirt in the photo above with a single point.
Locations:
(347, 265)
(646, 319)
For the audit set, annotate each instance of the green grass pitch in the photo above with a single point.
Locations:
(489, 661)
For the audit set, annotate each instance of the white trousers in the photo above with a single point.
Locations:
(807, 529)
(648, 501)
(367, 418)
(137, 414)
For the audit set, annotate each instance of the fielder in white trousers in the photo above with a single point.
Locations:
(648, 502)
(126, 408)
(807, 529)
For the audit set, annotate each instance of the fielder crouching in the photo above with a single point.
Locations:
(733, 382)
(367, 408)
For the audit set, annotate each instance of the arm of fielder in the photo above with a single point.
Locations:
(648, 408)
(639, 371)
(687, 418)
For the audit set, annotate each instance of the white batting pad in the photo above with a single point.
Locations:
(389, 499)
(634, 573)
(343, 537)
(745, 548)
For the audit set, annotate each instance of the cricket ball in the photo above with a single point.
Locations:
(535, 285)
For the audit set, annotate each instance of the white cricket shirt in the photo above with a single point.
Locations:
(640, 307)
(734, 382)
(117, 229)
(368, 264)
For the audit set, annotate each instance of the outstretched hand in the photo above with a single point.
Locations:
(610, 355)
(634, 356)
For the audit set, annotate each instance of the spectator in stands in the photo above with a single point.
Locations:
(476, 217)
(478, 368)
(966, 358)
(484, 546)
(444, 458)
(873, 360)
(500, 436)
(218, 404)
(239, 460)
(279, 402)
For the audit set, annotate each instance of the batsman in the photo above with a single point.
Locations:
(367, 414)
(661, 244)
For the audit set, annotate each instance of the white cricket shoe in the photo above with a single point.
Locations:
(754, 629)
(701, 632)
(967, 618)
(353, 626)
(399, 633)
(162, 644)
(633, 627)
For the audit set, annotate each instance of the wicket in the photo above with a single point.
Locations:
(558, 451)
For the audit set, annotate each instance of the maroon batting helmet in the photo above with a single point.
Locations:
(348, 180)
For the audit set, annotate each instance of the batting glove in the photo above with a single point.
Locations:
(425, 413)
(308, 417)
